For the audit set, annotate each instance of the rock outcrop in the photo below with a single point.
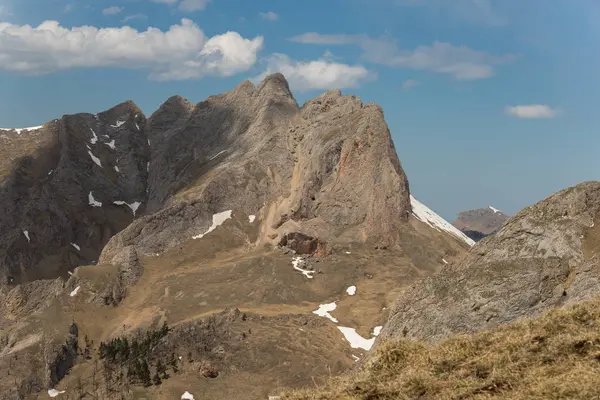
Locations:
(480, 223)
(543, 257)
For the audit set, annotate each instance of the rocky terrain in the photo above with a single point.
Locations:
(220, 249)
(543, 257)
(477, 224)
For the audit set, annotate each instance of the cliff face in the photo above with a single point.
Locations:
(543, 257)
(54, 179)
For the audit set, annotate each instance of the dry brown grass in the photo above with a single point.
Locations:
(555, 356)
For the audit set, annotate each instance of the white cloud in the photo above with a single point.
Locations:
(534, 111)
(181, 52)
(68, 8)
(462, 62)
(186, 5)
(112, 10)
(317, 74)
(410, 83)
(193, 5)
(134, 16)
(483, 12)
(269, 16)
(222, 55)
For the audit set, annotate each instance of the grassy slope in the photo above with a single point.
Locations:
(554, 356)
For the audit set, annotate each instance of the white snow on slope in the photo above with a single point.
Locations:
(19, 130)
(324, 309)
(54, 392)
(93, 201)
(377, 330)
(251, 218)
(94, 139)
(119, 123)
(117, 169)
(111, 144)
(136, 126)
(351, 290)
(495, 210)
(297, 262)
(187, 396)
(26, 233)
(426, 215)
(134, 206)
(356, 341)
(95, 159)
(74, 292)
(50, 173)
(217, 155)
(76, 246)
(217, 219)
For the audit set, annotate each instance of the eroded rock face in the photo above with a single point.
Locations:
(545, 256)
(57, 199)
(328, 171)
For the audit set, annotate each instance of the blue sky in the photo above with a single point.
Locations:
(490, 102)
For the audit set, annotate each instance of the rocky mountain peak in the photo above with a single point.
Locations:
(481, 222)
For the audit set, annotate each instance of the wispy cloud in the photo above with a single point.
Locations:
(320, 74)
(112, 10)
(181, 52)
(68, 8)
(269, 16)
(186, 5)
(462, 62)
(534, 111)
(410, 83)
(134, 16)
(482, 12)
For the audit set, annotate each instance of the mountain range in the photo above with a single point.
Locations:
(235, 224)
(246, 246)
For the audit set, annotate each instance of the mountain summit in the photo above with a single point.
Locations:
(236, 221)
(480, 223)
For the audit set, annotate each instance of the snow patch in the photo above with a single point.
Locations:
(93, 201)
(296, 262)
(445, 262)
(19, 130)
(117, 169)
(377, 330)
(355, 358)
(54, 392)
(426, 215)
(50, 173)
(75, 245)
(217, 220)
(495, 210)
(26, 233)
(94, 139)
(217, 155)
(134, 206)
(351, 290)
(111, 144)
(95, 159)
(356, 341)
(119, 123)
(136, 126)
(187, 396)
(251, 218)
(74, 292)
(348, 252)
(324, 309)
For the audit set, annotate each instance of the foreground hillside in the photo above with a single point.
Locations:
(554, 356)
